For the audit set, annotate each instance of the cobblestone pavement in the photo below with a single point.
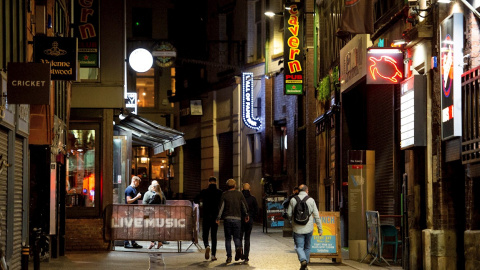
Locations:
(268, 251)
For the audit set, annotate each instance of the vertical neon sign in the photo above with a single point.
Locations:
(247, 102)
(293, 49)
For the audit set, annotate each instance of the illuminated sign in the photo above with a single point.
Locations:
(413, 113)
(353, 61)
(86, 30)
(293, 49)
(60, 53)
(131, 102)
(247, 102)
(384, 66)
(451, 69)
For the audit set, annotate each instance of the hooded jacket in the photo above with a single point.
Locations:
(251, 203)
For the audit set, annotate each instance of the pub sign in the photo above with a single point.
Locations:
(28, 83)
(60, 53)
(293, 48)
(384, 66)
(87, 30)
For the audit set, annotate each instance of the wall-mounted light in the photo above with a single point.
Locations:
(141, 60)
(444, 1)
(398, 42)
(271, 14)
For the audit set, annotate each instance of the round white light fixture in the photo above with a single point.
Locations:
(141, 60)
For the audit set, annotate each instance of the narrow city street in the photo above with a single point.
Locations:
(268, 251)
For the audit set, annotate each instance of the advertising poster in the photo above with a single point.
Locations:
(373, 233)
(327, 243)
(274, 210)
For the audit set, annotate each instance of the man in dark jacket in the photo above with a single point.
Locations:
(232, 208)
(211, 200)
(247, 226)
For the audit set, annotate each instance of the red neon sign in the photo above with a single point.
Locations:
(385, 66)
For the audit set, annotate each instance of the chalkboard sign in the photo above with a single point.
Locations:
(329, 244)
(273, 211)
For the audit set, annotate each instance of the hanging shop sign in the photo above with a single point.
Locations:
(384, 66)
(451, 69)
(86, 30)
(413, 112)
(353, 61)
(28, 83)
(247, 102)
(131, 102)
(60, 53)
(164, 54)
(293, 48)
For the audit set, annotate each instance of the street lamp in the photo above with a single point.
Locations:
(141, 60)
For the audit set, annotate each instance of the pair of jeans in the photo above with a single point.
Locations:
(246, 231)
(302, 245)
(210, 225)
(232, 227)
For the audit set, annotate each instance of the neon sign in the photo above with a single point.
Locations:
(293, 49)
(385, 66)
(247, 102)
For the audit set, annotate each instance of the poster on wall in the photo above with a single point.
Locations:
(87, 30)
(451, 69)
(293, 48)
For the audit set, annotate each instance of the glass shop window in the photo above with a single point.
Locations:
(145, 85)
(82, 183)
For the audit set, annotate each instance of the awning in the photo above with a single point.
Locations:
(148, 133)
(321, 121)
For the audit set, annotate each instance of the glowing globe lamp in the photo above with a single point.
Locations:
(141, 60)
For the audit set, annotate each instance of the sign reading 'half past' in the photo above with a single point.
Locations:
(247, 102)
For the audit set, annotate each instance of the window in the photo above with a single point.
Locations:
(142, 22)
(83, 174)
(145, 85)
(259, 24)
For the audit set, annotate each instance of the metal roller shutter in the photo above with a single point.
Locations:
(380, 137)
(192, 168)
(3, 194)
(18, 206)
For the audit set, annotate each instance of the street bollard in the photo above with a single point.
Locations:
(25, 257)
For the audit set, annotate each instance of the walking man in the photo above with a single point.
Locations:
(210, 198)
(248, 225)
(302, 231)
(131, 197)
(233, 207)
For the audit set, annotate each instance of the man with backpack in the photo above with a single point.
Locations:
(300, 211)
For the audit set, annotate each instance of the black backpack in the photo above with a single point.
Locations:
(301, 213)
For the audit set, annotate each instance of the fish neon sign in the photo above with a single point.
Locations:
(385, 66)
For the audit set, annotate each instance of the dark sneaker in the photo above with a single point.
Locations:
(229, 259)
(214, 258)
(238, 253)
(207, 253)
(136, 246)
(127, 246)
(303, 265)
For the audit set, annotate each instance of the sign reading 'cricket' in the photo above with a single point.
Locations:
(293, 48)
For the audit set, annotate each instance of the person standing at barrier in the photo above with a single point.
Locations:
(300, 211)
(154, 195)
(210, 198)
(131, 197)
(233, 207)
(248, 225)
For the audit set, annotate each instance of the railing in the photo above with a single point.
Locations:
(471, 116)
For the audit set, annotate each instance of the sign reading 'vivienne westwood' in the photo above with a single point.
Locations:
(293, 48)
(60, 53)
(451, 68)
(28, 83)
(86, 30)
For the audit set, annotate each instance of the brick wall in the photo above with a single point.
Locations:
(472, 250)
(84, 234)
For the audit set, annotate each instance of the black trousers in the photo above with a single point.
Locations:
(210, 226)
(246, 231)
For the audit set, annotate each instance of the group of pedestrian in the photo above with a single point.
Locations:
(237, 209)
